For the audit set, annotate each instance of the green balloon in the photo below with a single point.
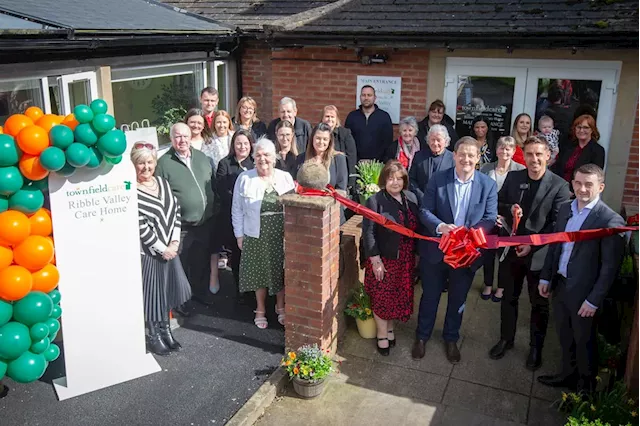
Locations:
(40, 346)
(114, 160)
(85, 134)
(61, 137)
(78, 155)
(52, 158)
(42, 184)
(55, 296)
(28, 200)
(10, 180)
(27, 368)
(67, 170)
(4, 203)
(33, 308)
(3, 369)
(95, 158)
(6, 312)
(99, 106)
(54, 327)
(52, 353)
(113, 143)
(9, 151)
(39, 331)
(103, 122)
(83, 114)
(57, 312)
(14, 340)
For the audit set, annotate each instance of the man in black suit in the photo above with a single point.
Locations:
(579, 276)
(535, 195)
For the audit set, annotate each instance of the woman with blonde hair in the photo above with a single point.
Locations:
(342, 138)
(286, 148)
(219, 145)
(247, 117)
(520, 132)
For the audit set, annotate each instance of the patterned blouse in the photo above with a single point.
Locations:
(216, 149)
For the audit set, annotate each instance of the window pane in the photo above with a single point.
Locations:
(221, 71)
(488, 96)
(79, 92)
(18, 95)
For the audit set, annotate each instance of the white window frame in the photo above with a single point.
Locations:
(64, 82)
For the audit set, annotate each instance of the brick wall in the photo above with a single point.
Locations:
(630, 194)
(256, 78)
(350, 272)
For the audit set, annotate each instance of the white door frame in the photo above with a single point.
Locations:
(64, 80)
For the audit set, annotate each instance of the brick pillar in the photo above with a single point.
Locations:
(311, 244)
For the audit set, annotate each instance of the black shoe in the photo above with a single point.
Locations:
(417, 352)
(182, 311)
(534, 360)
(155, 344)
(206, 300)
(500, 349)
(453, 354)
(167, 337)
(486, 296)
(559, 381)
(383, 351)
(4, 390)
(392, 342)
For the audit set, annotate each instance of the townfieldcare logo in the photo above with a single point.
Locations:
(99, 189)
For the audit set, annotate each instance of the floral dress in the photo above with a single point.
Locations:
(216, 149)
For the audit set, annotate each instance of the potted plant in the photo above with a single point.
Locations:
(308, 367)
(359, 307)
(369, 173)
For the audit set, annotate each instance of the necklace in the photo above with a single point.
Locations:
(152, 186)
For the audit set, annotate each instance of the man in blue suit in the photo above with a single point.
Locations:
(455, 197)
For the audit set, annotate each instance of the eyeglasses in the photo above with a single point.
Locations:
(140, 145)
(246, 108)
(583, 128)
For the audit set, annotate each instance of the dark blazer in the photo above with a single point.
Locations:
(593, 153)
(593, 264)
(288, 164)
(344, 142)
(302, 130)
(228, 171)
(379, 240)
(258, 129)
(438, 206)
(541, 219)
(422, 166)
(338, 174)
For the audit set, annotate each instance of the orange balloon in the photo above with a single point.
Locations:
(34, 113)
(15, 283)
(70, 121)
(31, 168)
(6, 257)
(41, 223)
(46, 279)
(16, 123)
(14, 226)
(47, 122)
(33, 140)
(1, 130)
(33, 253)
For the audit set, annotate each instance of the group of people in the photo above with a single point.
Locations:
(216, 191)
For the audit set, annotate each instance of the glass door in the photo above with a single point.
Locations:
(81, 88)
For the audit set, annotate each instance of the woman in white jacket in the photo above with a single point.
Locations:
(258, 225)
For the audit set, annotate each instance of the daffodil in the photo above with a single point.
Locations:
(598, 379)
(564, 396)
(593, 407)
(634, 414)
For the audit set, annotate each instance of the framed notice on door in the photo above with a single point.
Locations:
(388, 93)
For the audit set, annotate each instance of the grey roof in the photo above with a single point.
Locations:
(111, 15)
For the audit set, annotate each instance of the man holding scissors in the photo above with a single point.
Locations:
(533, 196)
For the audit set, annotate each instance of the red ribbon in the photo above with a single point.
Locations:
(461, 249)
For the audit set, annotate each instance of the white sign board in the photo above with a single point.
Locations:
(388, 93)
(95, 227)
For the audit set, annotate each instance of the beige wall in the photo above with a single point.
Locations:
(625, 112)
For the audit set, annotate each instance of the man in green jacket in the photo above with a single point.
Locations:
(189, 174)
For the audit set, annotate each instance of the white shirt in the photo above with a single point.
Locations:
(186, 160)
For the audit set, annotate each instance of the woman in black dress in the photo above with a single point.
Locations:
(229, 168)
(391, 257)
(481, 131)
(286, 148)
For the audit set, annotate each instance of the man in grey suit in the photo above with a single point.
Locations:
(579, 276)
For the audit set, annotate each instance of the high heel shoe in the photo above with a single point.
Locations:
(383, 351)
(392, 342)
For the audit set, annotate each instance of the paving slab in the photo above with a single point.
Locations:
(455, 416)
(543, 413)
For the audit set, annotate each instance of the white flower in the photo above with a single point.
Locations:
(372, 188)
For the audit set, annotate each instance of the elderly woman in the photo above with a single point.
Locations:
(391, 257)
(498, 170)
(520, 132)
(247, 117)
(239, 160)
(406, 146)
(219, 145)
(286, 148)
(436, 115)
(481, 132)
(433, 159)
(584, 148)
(164, 282)
(258, 225)
(200, 132)
(343, 139)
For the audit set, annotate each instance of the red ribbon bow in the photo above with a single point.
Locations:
(460, 246)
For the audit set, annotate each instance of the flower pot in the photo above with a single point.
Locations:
(308, 389)
(367, 328)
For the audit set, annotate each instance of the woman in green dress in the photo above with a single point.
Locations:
(258, 225)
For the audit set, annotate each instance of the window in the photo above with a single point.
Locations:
(18, 95)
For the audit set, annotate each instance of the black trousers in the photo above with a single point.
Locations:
(489, 266)
(195, 255)
(511, 274)
(577, 334)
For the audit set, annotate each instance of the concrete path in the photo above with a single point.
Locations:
(397, 390)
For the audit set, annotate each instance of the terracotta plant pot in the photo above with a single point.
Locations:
(308, 389)
(367, 328)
